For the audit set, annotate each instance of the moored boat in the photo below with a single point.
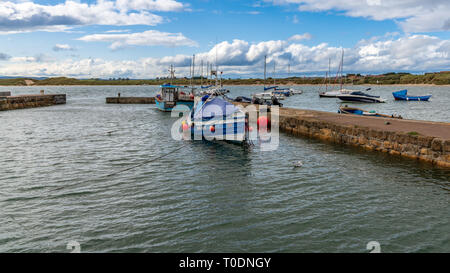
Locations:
(359, 96)
(213, 117)
(267, 98)
(361, 112)
(403, 95)
(171, 96)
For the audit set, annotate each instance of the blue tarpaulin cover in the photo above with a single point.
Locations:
(213, 108)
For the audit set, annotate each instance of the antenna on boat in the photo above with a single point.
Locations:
(172, 74)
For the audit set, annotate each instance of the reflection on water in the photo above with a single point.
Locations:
(56, 184)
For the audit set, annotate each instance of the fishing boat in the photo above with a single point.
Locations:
(359, 96)
(213, 118)
(403, 95)
(357, 111)
(173, 95)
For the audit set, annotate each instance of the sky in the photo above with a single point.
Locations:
(142, 38)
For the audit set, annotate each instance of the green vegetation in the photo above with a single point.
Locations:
(413, 133)
(438, 78)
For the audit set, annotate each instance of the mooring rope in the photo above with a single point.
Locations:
(123, 170)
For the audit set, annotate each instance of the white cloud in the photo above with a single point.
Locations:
(412, 15)
(146, 38)
(299, 37)
(63, 47)
(28, 16)
(117, 31)
(379, 54)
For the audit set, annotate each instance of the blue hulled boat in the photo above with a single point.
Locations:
(403, 95)
(172, 95)
(361, 112)
(215, 118)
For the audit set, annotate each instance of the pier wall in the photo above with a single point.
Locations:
(419, 140)
(31, 101)
(131, 100)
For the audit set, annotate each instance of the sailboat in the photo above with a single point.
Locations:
(280, 92)
(268, 97)
(335, 93)
(172, 95)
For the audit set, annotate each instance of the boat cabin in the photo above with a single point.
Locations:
(169, 93)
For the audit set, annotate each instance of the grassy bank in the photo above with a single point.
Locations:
(439, 78)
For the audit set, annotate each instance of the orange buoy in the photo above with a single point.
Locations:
(262, 122)
(184, 126)
(212, 128)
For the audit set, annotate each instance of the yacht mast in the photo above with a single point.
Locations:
(265, 67)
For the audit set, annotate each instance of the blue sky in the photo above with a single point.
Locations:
(140, 38)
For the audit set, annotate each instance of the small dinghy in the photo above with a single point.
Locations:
(361, 112)
(403, 95)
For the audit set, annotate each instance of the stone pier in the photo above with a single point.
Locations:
(415, 139)
(30, 101)
(131, 100)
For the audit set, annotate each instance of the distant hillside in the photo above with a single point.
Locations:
(438, 78)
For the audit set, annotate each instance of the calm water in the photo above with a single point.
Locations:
(54, 186)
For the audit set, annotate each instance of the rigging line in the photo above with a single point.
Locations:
(144, 163)
(124, 170)
(108, 133)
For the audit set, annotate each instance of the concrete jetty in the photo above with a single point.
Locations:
(415, 139)
(9, 102)
(131, 100)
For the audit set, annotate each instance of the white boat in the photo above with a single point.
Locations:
(359, 96)
(281, 93)
(341, 90)
(267, 98)
(335, 93)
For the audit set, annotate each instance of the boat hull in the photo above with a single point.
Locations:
(165, 107)
(361, 112)
(352, 98)
(403, 95)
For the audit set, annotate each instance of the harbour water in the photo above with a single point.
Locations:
(56, 184)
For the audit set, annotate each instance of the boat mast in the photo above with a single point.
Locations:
(265, 67)
(342, 67)
(193, 71)
(274, 72)
(328, 74)
(201, 76)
